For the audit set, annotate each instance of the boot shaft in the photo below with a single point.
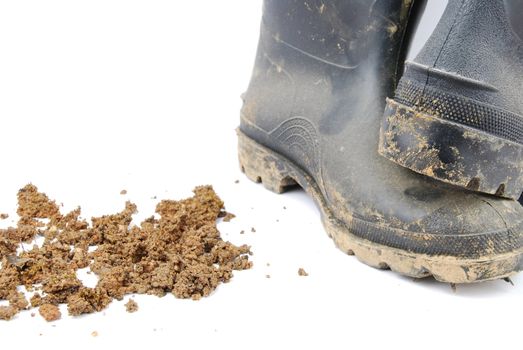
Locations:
(340, 33)
(477, 43)
(310, 53)
(514, 10)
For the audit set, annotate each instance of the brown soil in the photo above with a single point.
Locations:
(7, 312)
(228, 217)
(3, 216)
(50, 312)
(302, 272)
(178, 251)
(131, 306)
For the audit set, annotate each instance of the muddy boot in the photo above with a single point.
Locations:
(311, 117)
(457, 115)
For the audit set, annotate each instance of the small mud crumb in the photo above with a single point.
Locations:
(508, 280)
(228, 217)
(268, 264)
(3, 216)
(33, 314)
(284, 208)
(87, 300)
(253, 229)
(302, 272)
(50, 312)
(7, 312)
(36, 300)
(453, 287)
(131, 306)
(18, 301)
(267, 276)
(123, 192)
(242, 232)
(237, 181)
(94, 334)
(35, 205)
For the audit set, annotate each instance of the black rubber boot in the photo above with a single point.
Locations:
(311, 117)
(457, 115)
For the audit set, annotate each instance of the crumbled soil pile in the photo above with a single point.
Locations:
(179, 251)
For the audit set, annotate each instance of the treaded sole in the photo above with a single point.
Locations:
(277, 174)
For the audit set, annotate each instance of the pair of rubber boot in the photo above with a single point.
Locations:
(419, 174)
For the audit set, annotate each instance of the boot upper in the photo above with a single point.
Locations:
(320, 105)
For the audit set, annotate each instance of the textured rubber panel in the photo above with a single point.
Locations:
(451, 152)
(460, 110)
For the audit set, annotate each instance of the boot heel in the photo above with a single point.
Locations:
(261, 165)
(451, 152)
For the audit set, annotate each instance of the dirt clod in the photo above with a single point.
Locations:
(3, 216)
(131, 306)
(302, 272)
(123, 192)
(228, 217)
(177, 251)
(50, 312)
(7, 312)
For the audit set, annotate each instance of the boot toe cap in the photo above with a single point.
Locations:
(470, 227)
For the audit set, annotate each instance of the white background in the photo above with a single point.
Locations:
(102, 95)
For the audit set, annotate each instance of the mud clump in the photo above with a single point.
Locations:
(7, 312)
(50, 312)
(302, 272)
(227, 217)
(131, 306)
(179, 250)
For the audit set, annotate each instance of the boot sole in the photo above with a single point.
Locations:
(277, 174)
